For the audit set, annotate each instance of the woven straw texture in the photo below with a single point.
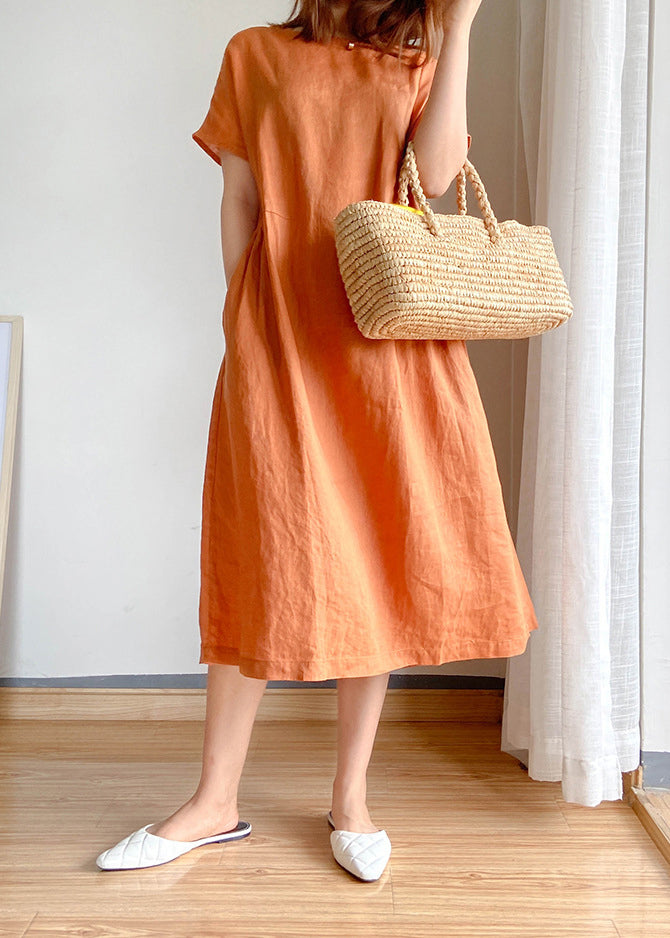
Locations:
(414, 274)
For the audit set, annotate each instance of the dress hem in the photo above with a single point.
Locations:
(361, 665)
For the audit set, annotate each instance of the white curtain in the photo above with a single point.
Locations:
(572, 699)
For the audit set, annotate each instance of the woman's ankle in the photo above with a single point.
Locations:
(349, 793)
(213, 803)
(195, 820)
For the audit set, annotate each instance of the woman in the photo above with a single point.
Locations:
(353, 519)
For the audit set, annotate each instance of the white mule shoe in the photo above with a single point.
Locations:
(141, 849)
(364, 855)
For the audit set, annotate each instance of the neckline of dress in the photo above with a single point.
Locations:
(351, 44)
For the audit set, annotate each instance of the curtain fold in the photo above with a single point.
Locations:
(572, 699)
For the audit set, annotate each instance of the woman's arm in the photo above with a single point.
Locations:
(441, 138)
(240, 205)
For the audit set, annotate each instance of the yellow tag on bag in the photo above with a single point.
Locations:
(410, 209)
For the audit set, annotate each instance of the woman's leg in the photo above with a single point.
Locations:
(359, 706)
(232, 702)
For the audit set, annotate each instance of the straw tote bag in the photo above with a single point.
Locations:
(413, 274)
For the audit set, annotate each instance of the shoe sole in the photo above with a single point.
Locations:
(243, 829)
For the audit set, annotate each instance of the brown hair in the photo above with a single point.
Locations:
(386, 25)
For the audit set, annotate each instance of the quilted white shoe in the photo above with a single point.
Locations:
(364, 855)
(141, 849)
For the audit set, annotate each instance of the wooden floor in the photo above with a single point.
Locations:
(660, 798)
(479, 849)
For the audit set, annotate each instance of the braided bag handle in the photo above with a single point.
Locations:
(408, 177)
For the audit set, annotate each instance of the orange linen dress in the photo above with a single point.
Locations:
(353, 518)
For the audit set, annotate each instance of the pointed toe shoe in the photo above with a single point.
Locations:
(141, 849)
(364, 855)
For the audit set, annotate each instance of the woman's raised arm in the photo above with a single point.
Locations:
(441, 138)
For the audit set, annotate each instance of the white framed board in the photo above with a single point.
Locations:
(11, 343)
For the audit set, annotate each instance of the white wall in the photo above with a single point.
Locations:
(110, 250)
(655, 544)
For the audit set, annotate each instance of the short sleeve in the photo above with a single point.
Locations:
(222, 127)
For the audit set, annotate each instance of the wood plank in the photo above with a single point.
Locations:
(478, 705)
(653, 810)
(15, 927)
(342, 925)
